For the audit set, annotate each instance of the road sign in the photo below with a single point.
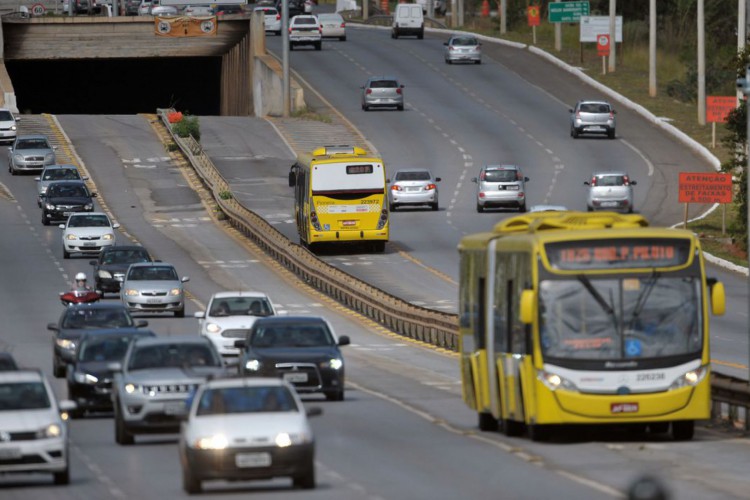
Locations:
(37, 9)
(594, 25)
(718, 107)
(703, 187)
(602, 45)
(532, 14)
(567, 12)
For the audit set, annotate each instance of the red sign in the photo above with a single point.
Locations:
(533, 15)
(718, 107)
(602, 45)
(705, 187)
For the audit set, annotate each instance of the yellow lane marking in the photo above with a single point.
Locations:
(730, 365)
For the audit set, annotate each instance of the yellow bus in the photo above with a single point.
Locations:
(340, 196)
(585, 318)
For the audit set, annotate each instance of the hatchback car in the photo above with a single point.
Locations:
(592, 117)
(415, 186)
(240, 429)
(113, 262)
(271, 19)
(8, 125)
(34, 432)
(87, 233)
(463, 48)
(79, 319)
(53, 173)
(230, 315)
(333, 26)
(610, 191)
(303, 350)
(30, 153)
(153, 287)
(382, 92)
(63, 198)
(501, 186)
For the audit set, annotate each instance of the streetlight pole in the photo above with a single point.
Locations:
(285, 57)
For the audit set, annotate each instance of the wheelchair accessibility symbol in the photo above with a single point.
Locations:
(633, 348)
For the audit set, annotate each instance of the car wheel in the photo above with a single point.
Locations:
(400, 107)
(522, 208)
(62, 477)
(66, 254)
(291, 47)
(278, 33)
(122, 436)
(342, 38)
(391, 207)
(434, 207)
(480, 208)
(448, 61)
(58, 369)
(420, 36)
(45, 220)
(180, 313)
(190, 483)
(11, 170)
(478, 61)
(611, 133)
(318, 45)
(306, 480)
(337, 395)
(366, 107)
(394, 34)
(683, 430)
(573, 133)
(589, 209)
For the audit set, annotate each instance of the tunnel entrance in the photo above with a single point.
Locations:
(117, 86)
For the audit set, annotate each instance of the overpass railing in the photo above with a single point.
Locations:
(730, 396)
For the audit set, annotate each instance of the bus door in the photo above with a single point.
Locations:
(472, 332)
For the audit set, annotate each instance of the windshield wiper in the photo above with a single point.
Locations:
(607, 307)
(640, 302)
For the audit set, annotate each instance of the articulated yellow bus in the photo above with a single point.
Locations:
(585, 318)
(340, 196)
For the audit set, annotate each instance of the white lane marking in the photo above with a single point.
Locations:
(643, 157)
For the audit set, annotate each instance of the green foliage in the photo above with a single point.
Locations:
(225, 195)
(188, 126)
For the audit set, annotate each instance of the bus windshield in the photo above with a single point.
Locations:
(591, 318)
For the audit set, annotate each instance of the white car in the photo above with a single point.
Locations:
(333, 26)
(8, 125)
(247, 428)
(305, 30)
(198, 10)
(271, 19)
(144, 8)
(33, 434)
(230, 315)
(87, 233)
(157, 9)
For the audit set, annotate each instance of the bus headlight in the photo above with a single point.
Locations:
(553, 381)
(690, 379)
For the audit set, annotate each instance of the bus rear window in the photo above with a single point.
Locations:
(623, 253)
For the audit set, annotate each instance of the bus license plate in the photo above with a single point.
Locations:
(349, 223)
(244, 460)
(295, 377)
(617, 408)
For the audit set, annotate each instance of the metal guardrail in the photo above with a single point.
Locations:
(730, 396)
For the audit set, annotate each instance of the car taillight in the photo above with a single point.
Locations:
(395, 188)
(519, 176)
(451, 47)
(430, 187)
(343, 25)
(398, 91)
(593, 181)
(611, 115)
(578, 115)
(320, 29)
(481, 176)
(290, 29)
(278, 17)
(625, 180)
(368, 91)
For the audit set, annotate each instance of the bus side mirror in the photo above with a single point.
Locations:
(292, 179)
(718, 298)
(527, 306)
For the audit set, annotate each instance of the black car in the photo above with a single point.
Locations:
(80, 319)
(7, 363)
(90, 375)
(62, 198)
(113, 262)
(302, 350)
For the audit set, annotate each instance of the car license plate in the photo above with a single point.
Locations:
(177, 408)
(597, 129)
(510, 188)
(89, 244)
(10, 453)
(245, 460)
(609, 203)
(412, 189)
(295, 377)
(153, 301)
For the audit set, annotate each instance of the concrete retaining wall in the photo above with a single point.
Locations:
(268, 90)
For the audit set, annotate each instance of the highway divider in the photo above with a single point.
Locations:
(730, 396)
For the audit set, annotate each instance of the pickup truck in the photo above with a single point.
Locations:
(305, 30)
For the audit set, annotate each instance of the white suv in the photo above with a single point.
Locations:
(33, 433)
(305, 30)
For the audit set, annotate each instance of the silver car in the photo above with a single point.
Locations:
(610, 191)
(463, 48)
(382, 92)
(30, 153)
(53, 173)
(333, 26)
(592, 117)
(153, 287)
(501, 186)
(415, 186)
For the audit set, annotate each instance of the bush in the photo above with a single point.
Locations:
(188, 126)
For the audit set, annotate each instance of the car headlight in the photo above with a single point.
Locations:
(49, 157)
(108, 237)
(252, 365)
(105, 274)
(216, 442)
(49, 206)
(68, 345)
(690, 379)
(88, 206)
(553, 381)
(18, 158)
(85, 378)
(284, 439)
(131, 388)
(213, 328)
(130, 292)
(43, 190)
(71, 237)
(51, 431)
(175, 291)
(335, 363)
(13, 127)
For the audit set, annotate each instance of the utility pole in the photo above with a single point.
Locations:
(612, 34)
(652, 48)
(503, 16)
(701, 63)
(365, 9)
(743, 86)
(285, 57)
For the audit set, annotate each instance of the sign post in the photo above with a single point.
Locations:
(705, 187)
(717, 110)
(602, 48)
(533, 16)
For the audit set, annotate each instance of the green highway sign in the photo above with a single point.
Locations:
(567, 12)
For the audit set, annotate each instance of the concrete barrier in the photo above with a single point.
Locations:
(268, 89)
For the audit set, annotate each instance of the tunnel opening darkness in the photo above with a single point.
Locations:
(117, 86)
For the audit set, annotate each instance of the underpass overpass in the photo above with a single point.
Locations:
(64, 64)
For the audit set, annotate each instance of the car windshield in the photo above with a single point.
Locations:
(67, 191)
(305, 21)
(176, 355)
(6, 116)
(103, 348)
(291, 335)
(32, 144)
(383, 84)
(413, 176)
(468, 41)
(57, 174)
(240, 306)
(152, 273)
(613, 319)
(500, 176)
(228, 400)
(23, 396)
(97, 318)
(118, 256)
(610, 180)
(88, 221)
(593, 108)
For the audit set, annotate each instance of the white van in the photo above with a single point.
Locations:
(408, 20)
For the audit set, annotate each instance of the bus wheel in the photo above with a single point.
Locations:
(539, 432)
(487, 422)
(512, 428)
(683, 430)
(658, 427)
(378, 246)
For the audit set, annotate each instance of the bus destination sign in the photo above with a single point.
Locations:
(619, 254)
